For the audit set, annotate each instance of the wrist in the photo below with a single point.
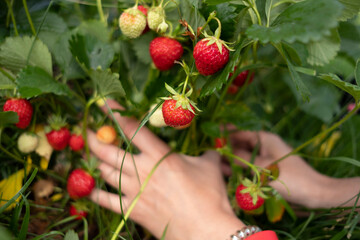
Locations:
(220, 227)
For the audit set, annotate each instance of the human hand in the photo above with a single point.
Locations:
(187, 193)
(306, 186)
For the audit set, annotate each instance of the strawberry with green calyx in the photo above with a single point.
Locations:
(23, 109)
(76, 142)
(178, 110)
(132, 22)
(211, 53)
(79, 210)
(155, 17)
(81, 182)
(220, 142)
(250, 196)
(58, 135)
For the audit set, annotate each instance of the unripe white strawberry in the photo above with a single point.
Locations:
(132, 22)
(155, 17)
(28, 142)
(157, 119)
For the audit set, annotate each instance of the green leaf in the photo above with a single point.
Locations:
(33, 81)
(96, 29)
(71, 235)
(274, 209)
(8, 118)
(350, 38)
(17, 52)
(352, 7)
(241, 116)
(211, 129)
(91, 52)
(141, 48)
(106, 82)
(227, 14)
(357, 72)
(216, 2)
(300, 86)
(353, 90)
(25, 222)
(323, 51)
(340, 65)
(304, 21)
(5, 234)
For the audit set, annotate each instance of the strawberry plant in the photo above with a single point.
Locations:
(193, 72)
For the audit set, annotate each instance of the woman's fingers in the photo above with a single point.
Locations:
(111, 154)
(145, 140)
(245, 139)
(129, 184)
(110, 201)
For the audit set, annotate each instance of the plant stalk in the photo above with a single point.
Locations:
(321, 134)
(29, 17)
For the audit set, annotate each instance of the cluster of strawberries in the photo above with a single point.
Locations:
(211, 54)
(80, 182)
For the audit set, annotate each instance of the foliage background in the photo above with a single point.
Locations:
(296, 43)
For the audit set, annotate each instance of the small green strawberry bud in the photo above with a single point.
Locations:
(132, 22)
(155, 17)
(27, 142)
(162, 27)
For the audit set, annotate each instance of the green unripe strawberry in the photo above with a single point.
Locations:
(155, 17)
(157, 119)
(132, 22)
(28, 142)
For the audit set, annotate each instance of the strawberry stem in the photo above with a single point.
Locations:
(29, 17)
(185, 84)
(100, 11)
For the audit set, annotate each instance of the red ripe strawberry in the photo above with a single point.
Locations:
(164, 51)
(77, 212)
(220, 142)
(246, 201)
(208, 58)
(59, 136)
(144, 10)
(76, 142)
(23, 108)
(58, 139)
(80, 183)
(232, 89)
(241, 78)
(176, 116)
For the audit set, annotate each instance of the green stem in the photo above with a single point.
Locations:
(84, 133)
(29, 17)
(137, 197)
(254, 8)
(12, 16)
(252, 166)
(321, 134)
(100, 11)
(7, 74)
(185, 84)
(12, 155)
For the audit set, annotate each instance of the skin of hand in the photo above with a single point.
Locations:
(307, 187)
(186, 193)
